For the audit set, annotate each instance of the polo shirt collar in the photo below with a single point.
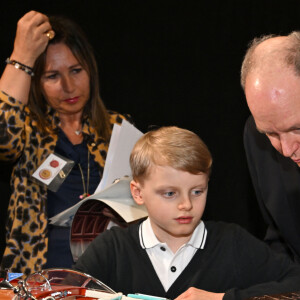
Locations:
(149, 240)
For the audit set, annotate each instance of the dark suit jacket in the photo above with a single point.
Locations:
(276, 181)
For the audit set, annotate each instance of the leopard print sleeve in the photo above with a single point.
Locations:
(12, 127)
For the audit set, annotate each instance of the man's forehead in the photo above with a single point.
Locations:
(275, 83)
(270, 56)
(274, 100)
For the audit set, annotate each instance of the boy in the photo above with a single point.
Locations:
(172, 253)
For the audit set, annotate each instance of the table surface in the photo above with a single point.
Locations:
(287, 296)
(10, 295)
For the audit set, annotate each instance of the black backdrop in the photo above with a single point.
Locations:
(174, 63)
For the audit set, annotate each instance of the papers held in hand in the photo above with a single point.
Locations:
(114, 206)
(116, 195)
(112, 203)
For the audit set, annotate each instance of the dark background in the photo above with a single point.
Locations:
(174, 63)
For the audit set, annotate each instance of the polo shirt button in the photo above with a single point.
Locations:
(162, 248)
(173, 269)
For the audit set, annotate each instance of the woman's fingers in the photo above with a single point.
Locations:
(31, 39)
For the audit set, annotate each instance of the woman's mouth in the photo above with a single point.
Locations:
(72, 100)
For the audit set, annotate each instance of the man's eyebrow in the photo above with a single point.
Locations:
(272, 132)
(293, 128)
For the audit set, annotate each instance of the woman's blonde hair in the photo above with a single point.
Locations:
(170, 146)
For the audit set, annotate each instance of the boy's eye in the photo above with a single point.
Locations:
(169, 194)
(197, 192)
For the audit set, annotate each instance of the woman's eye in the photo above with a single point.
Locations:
(51, 76)
(76, 70)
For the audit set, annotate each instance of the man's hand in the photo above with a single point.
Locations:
(196, 294)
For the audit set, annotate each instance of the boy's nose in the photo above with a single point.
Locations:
(185, 203)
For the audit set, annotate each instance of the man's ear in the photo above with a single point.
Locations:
(135, 188)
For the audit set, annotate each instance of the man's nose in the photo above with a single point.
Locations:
(288, 145)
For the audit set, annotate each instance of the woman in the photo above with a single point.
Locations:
(50, 104)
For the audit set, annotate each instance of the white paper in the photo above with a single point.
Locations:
(117, 164)
(113, 144)
(117, 196)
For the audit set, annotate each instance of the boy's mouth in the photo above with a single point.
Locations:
(184, 220)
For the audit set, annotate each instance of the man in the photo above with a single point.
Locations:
(270, 77)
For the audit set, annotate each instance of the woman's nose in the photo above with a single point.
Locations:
(68, 84)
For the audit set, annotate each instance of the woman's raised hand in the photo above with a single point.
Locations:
(31, 39)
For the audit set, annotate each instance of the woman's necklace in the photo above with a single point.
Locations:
(85, 188)
(78, 132)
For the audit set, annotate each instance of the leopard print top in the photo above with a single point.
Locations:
(20, 141)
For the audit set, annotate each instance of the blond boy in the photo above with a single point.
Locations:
(173, 253)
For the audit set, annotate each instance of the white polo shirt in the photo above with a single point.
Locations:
(168, 266)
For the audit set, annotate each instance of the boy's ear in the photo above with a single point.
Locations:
(135, 189)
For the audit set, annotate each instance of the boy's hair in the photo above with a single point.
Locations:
(170, 146)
